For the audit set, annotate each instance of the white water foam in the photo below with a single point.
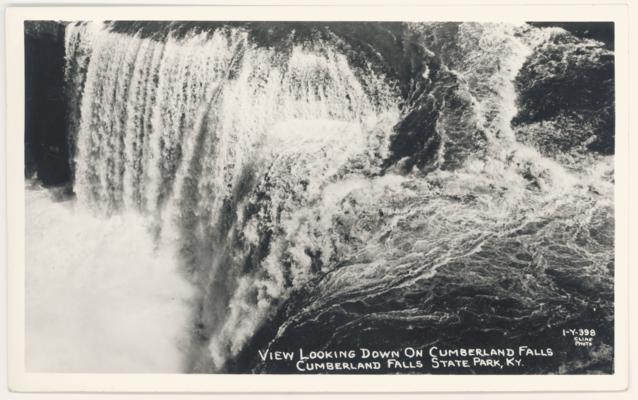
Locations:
(228, 148)
(99, 296)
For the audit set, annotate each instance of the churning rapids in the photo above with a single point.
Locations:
(330, 187)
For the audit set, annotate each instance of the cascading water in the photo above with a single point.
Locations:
(182, 142)
(273, 173)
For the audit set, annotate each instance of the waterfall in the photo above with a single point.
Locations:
(268, 167)
(165, 130)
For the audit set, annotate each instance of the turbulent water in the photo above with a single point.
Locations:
(322, 199)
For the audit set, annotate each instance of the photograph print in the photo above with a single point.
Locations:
(319, 197)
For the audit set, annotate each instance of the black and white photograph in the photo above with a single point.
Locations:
(319, 197)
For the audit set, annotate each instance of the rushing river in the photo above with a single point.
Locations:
(259, 190)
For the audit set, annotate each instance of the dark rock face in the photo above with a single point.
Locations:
(566, 96)
(46, 145)
(437, 111)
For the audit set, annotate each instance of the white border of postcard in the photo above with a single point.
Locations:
(20, 380)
